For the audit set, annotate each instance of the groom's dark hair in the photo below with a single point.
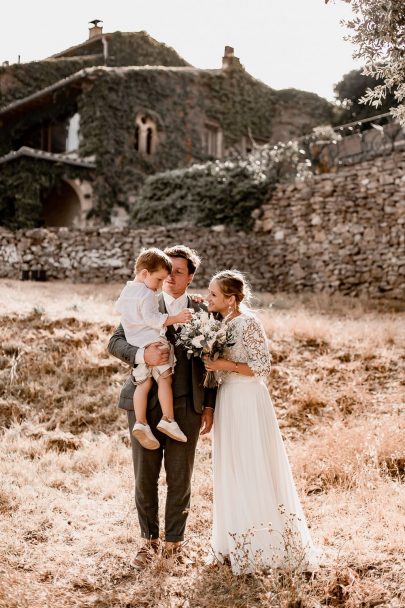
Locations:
(181, 251)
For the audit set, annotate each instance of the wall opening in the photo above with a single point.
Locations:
(61, 206)
(145, 140)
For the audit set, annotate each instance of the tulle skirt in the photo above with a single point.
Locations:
(257, 516)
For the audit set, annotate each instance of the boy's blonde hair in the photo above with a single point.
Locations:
(152, 260)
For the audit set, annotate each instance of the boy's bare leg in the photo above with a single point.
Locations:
(165, 395)
(168, 425)
(141, 400)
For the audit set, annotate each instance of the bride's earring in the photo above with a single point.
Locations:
(232, 308)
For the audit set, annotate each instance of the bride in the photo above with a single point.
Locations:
(257, 516)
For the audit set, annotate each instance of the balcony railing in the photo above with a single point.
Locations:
(356, 142)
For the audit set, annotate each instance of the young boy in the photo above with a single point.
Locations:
(143, 324)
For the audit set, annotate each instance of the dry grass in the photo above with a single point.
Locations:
(68, 530)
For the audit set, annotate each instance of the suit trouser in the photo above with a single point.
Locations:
(178, 459)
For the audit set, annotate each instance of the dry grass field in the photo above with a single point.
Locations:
(68, 529)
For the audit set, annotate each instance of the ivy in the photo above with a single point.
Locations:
(180, 102)
(21, 198)
(221, 192)
(138, 48)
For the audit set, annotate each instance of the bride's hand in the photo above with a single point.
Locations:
(197, 298)
(214, 366)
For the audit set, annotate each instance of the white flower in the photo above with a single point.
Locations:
(197, 341)
(204, 316)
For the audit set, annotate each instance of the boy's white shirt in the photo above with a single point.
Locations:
(140, 316)
(126, 305)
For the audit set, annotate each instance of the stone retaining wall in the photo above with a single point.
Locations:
(337, 232)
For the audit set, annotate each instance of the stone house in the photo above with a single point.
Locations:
(79, 131)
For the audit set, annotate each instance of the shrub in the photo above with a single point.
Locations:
(218, 192)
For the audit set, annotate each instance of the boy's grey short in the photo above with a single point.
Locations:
(143, 371)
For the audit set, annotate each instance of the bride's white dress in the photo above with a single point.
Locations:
(257, 515)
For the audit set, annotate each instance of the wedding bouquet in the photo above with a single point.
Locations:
(205, 335)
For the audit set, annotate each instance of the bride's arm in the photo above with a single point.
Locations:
(226, 365)
(257, 350)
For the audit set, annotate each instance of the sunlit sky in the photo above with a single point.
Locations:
(284, 43)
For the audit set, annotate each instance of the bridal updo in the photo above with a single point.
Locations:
(233, 283)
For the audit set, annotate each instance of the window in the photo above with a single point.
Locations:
(213, 140)
(72, 139)
(145, 140)
(56, 136)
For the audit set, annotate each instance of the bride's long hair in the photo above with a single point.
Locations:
(234, 283)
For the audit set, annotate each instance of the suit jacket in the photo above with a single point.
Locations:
(189, 373)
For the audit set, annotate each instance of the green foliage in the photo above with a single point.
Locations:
(108, 129)
(378, 33)
(203, 195)
(348, 92)
(239, 103)
(221, 192)
(138, 48)
(236, 101)
(317, 110)
(23, 183)
(124, 49)
(179, 100)
(20, 80)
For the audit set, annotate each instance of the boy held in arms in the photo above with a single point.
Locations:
(144, 324)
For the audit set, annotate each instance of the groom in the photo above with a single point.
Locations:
(193, 408)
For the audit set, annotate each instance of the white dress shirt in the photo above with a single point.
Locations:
(175, 305)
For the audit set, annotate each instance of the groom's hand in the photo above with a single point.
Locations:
(207, 420)
(156, 355)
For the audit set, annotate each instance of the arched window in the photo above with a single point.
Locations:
(149, 140)
(145, 141)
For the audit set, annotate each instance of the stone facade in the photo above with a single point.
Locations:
(341, 232)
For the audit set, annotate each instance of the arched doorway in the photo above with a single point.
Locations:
(61, 206)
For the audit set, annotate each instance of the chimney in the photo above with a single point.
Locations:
(96, 30)
(229, 60)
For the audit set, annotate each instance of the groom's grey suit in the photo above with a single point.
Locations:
(190, 397)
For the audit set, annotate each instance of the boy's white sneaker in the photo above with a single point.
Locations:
(171, 429)
(144, 435)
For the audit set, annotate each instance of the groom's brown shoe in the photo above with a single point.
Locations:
(174, 551)
(146, 554)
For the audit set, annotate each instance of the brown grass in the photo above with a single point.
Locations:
(68, 530)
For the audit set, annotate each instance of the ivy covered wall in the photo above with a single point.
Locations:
(23, 184)
(135, 48)
(179, 98)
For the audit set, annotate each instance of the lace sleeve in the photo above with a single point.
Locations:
(255, 342)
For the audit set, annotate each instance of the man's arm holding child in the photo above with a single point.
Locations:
(133, 355)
